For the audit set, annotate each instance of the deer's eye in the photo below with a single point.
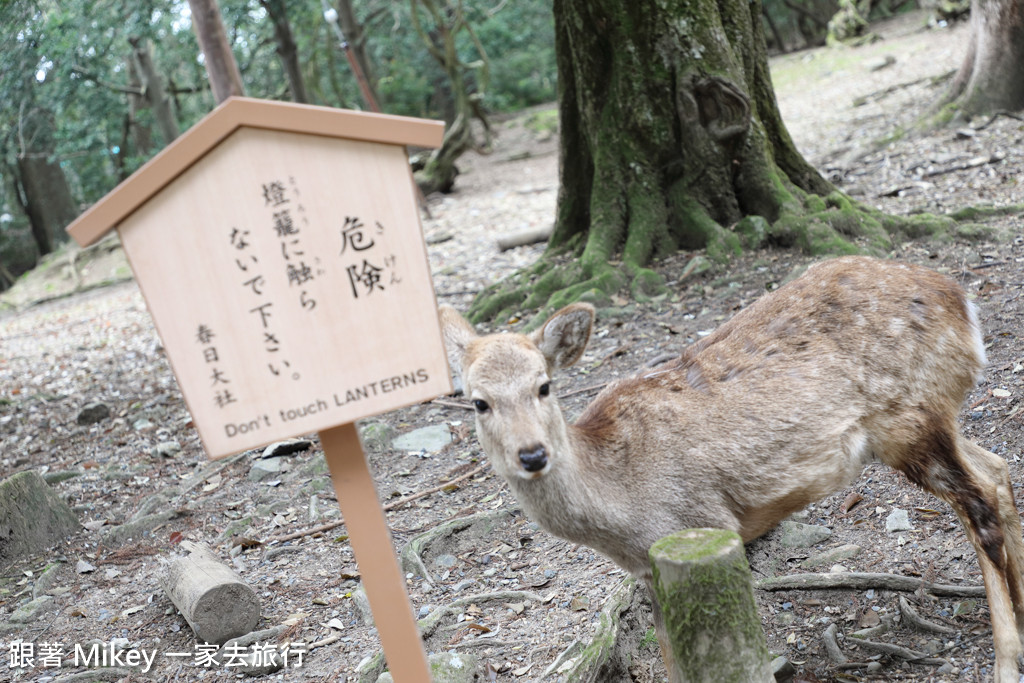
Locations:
(545, 389)
(481, 406)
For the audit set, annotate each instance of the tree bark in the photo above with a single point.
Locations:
(287, 50)
(355, 36)
(47, 199)
(221, 67)
(991, 77)
(153, 89)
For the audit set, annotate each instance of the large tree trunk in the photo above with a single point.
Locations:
(286, 48)
(221, 67)
(991, 77)
(671, 138)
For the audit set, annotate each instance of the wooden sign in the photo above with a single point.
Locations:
(287, 275)
(279, 250)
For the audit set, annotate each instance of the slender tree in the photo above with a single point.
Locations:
(287, 50)
(221, 67)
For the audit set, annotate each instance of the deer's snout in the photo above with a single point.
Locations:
(533, 458)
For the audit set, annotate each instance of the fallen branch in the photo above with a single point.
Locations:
(973, 163)
(387, 508)
(524, 237)
(863, 581)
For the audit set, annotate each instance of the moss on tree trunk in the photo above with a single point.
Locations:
(671, 138)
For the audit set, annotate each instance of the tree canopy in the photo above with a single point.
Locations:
(75, 88)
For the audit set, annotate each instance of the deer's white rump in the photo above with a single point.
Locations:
(782, 405)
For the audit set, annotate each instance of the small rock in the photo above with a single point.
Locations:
(783, 670)
(45, 583)
(93, 413)
(362, 604)
(30, 610)
(797, 535)
(58, 476)
(832, 556)
(446, 561)
(464, 584)
(898, 521)
(880, 63)
(446, 667)
(265, 469)
(166, 449)
(430, 439)
(376, 436)
(946, 669)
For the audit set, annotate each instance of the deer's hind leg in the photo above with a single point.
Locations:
(998, 475)
(976, 484)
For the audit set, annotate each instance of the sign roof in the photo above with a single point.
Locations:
(244, 112)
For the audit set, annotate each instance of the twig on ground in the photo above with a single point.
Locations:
(329, 640)
(451, 404)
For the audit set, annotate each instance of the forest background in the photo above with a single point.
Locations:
(92, 89)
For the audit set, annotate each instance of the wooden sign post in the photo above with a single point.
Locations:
(279, 250)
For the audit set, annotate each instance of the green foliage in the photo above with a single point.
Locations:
(66, 76)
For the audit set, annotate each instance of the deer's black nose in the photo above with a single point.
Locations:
(534, 458)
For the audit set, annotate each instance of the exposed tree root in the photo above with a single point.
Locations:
(833, 224)
(864, 580)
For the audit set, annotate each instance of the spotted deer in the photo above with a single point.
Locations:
(856, 360)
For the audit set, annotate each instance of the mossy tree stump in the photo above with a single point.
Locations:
(702, 583)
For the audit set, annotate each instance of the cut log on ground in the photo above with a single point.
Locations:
(214, 600)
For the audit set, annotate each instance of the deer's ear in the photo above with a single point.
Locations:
(563, 338)
(457, 335)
